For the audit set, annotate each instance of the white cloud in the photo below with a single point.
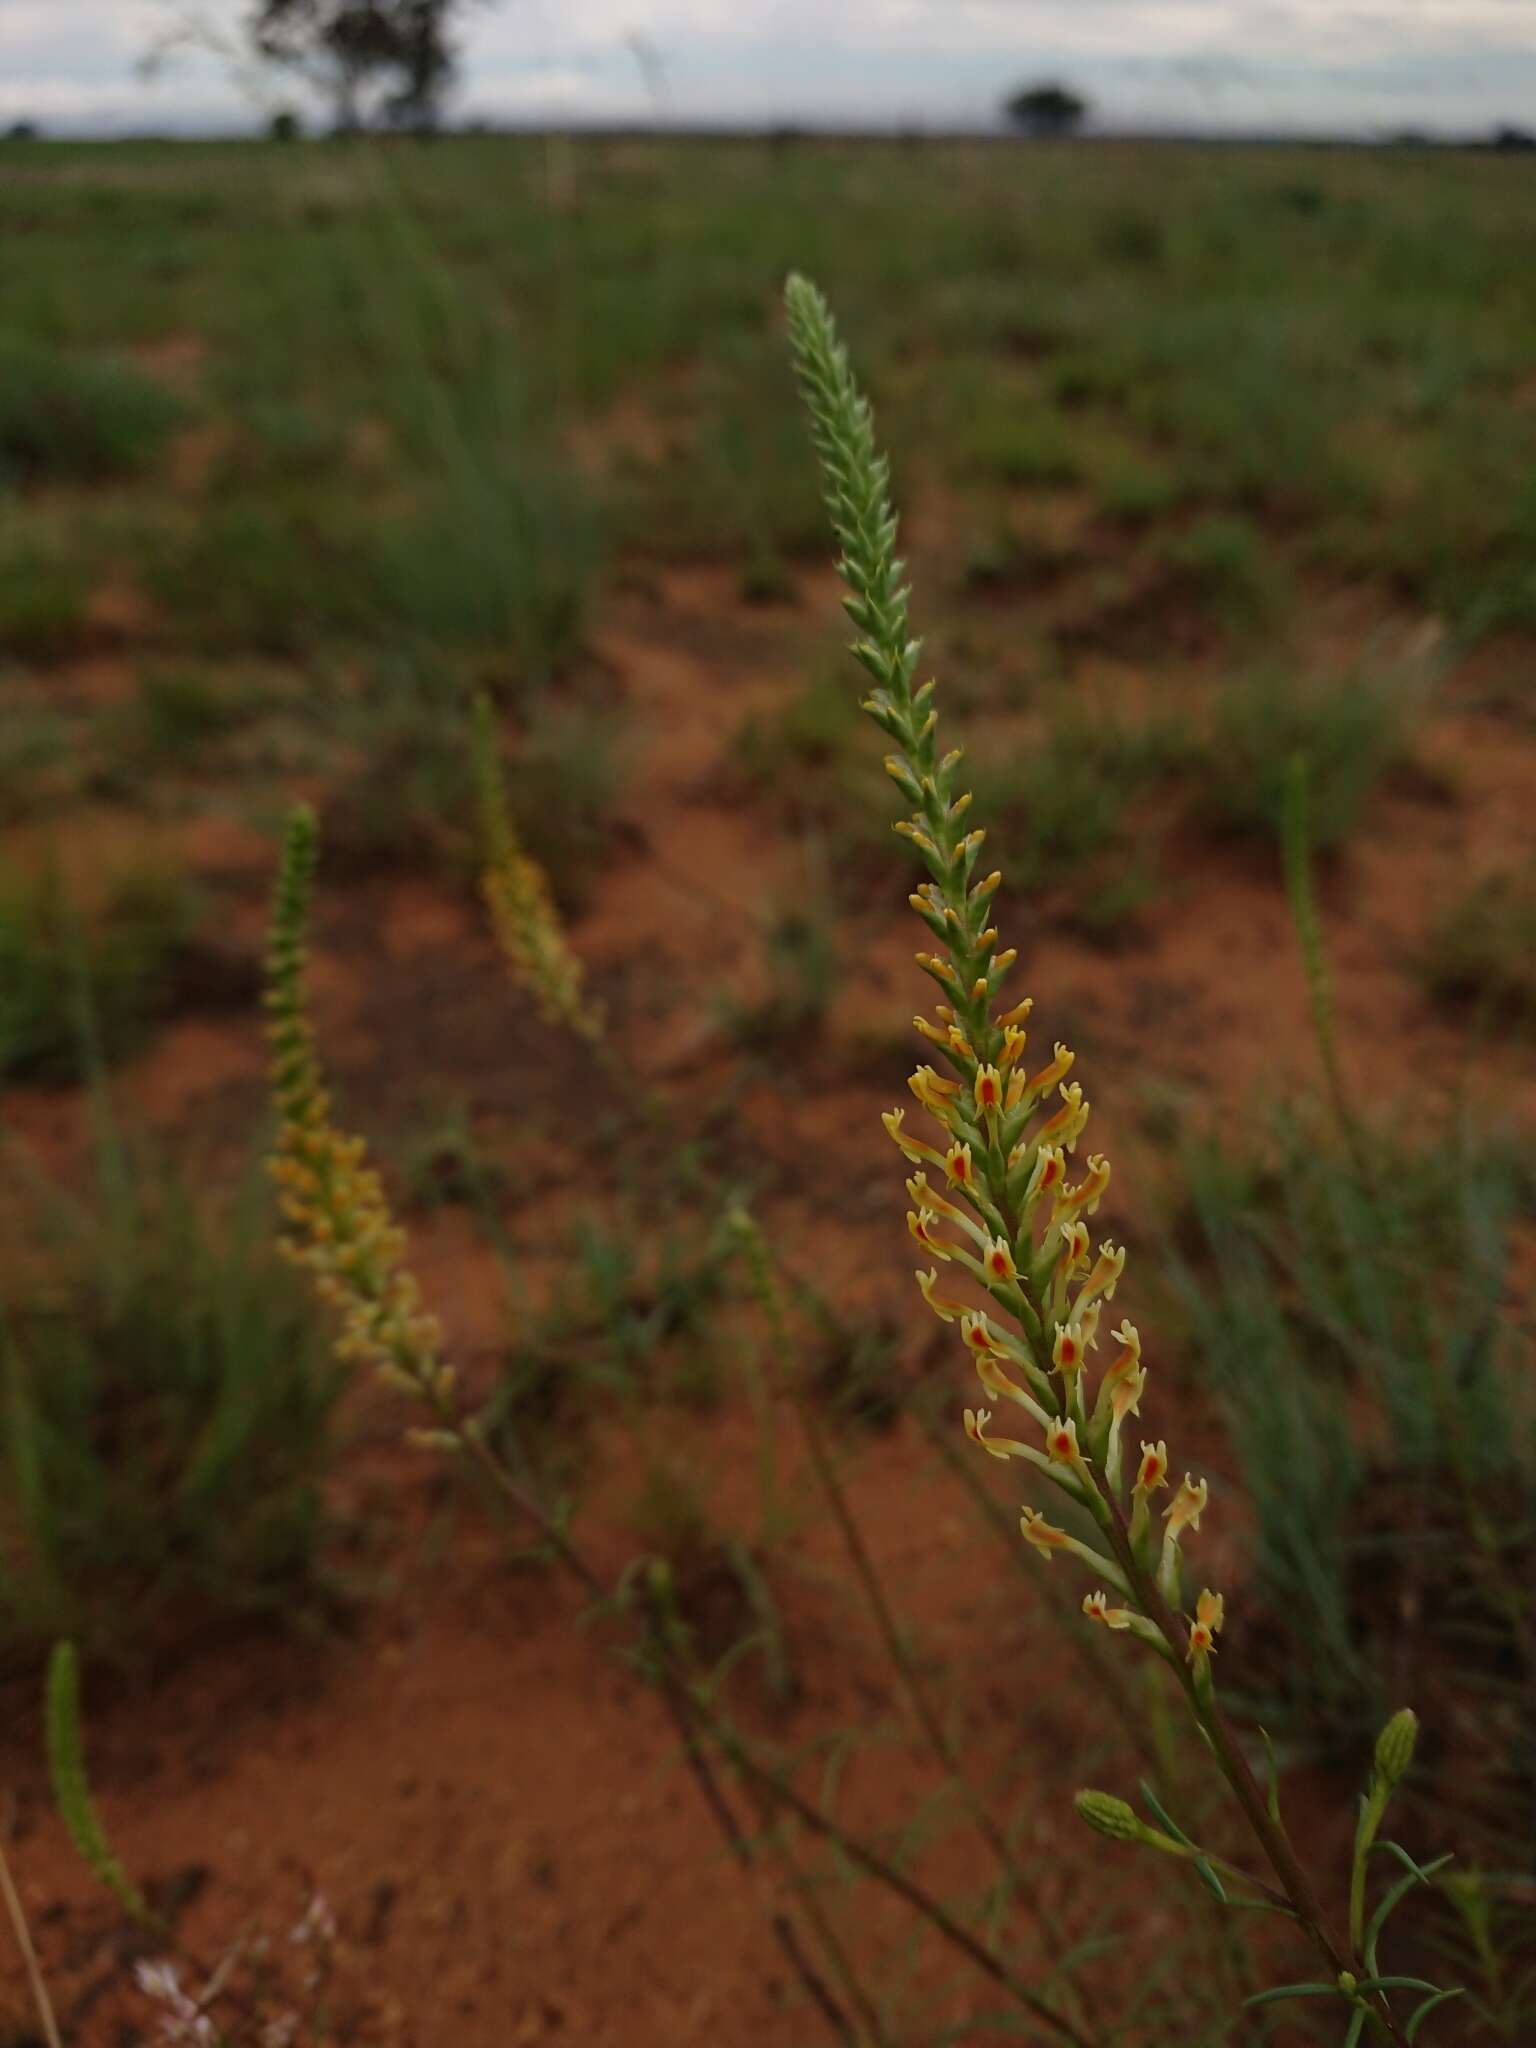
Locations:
(1282, 61)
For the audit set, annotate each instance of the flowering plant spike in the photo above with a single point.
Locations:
(1015, 1206)
(517, 896)
(339, 1224)
(1000, 1195)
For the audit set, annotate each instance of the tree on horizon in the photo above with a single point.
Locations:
(400, 49)
(1048, 108)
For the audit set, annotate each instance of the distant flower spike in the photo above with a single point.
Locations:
(339, 1223)
(517, 895)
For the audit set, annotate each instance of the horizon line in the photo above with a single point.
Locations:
(808, 128)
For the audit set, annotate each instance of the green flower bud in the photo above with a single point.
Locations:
(1109, 1816)
(1394, 1745)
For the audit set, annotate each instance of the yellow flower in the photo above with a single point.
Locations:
(1187, 1506)
(976, 1334)
(1097, 1608)
(927, 1197)
(1103, 1279)
(989, 1090)
(1084, 1199)
(1210, 1612)
(998, 1260)
(931, 963)
(942, 1305)
(976, 1421)
(921, 1223)
(1129, 1338)
(1074, 1249)
(914, 1148)
(1067, 1351)
(958, 1166)
(1126, 1399)
(1050, 1170)
(1049, 1076)
(1061, 1442)
(1065, 1126)
(1152, 1472)
(921, 841)
(1002, 1388)
(935, 1094)
(1044, 1535)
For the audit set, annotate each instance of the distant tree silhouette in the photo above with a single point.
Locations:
(347, 47)
(22, 131)
(284, 126)
(1047, 109)
(1508, 137)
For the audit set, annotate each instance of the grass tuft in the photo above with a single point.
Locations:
(71, 984)
(44, 597)
(165, 1421)
(1480, 951)
(1358, 1320)
(1354, 729)
(69, 419)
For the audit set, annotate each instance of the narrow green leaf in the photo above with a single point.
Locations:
(1420, 1870)
(1411, 2031)
(1272, 1776)
(1392, 1900)
(1293, 1991)
(1211, 1881)
(1164, 1818)
(71, 1787)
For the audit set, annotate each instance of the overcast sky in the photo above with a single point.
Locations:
(1333, 65)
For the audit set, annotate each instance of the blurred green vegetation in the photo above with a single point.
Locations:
(332, 436)
(302, 446)
(165, 1423)
(400, 345)
(75, 986)
(1355, 1306)
(1480, 951)
(64, 419)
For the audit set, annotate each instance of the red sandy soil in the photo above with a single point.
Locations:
(490, 1801)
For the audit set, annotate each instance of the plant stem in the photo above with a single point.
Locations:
(784, 1930)
(19, 1928)
(673, 1691)
(893, 1878)
(1269, 1833)
(756, 1774)
(828, 1478)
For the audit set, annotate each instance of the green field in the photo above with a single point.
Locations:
(1218, 476)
